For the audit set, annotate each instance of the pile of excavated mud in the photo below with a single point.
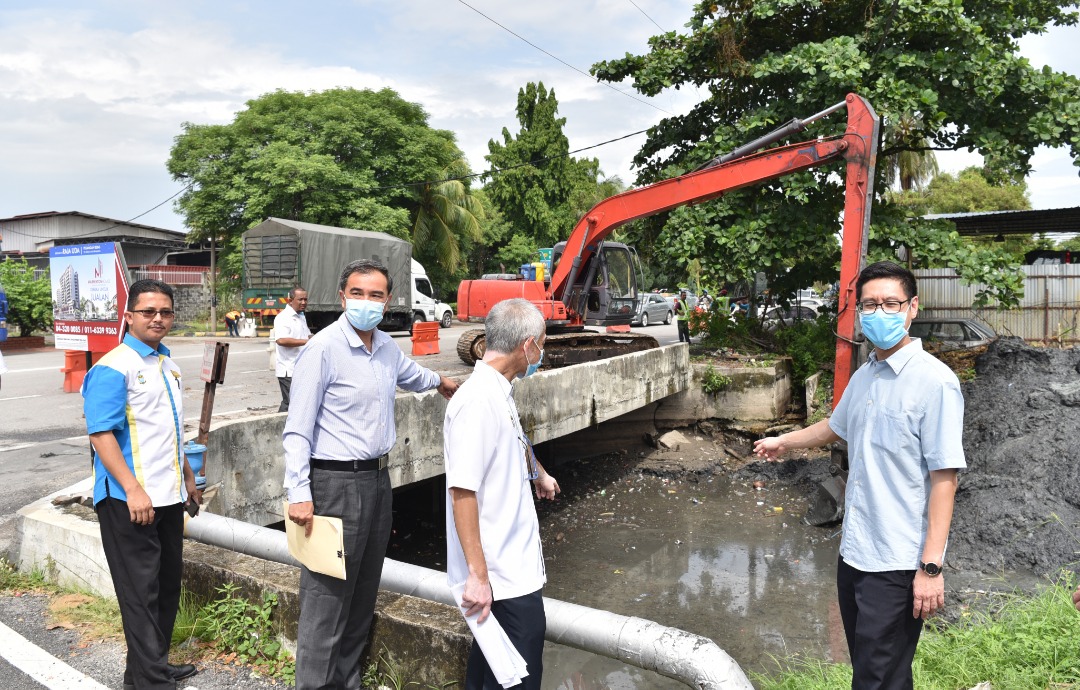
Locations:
(1018, 505)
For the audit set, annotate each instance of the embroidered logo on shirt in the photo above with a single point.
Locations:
(140, 378)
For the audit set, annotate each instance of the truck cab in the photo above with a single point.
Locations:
(424, 300)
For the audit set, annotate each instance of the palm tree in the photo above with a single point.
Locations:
(909, 159)
(446, 212)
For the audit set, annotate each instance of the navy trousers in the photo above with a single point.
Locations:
(524, 622)
(881, 632)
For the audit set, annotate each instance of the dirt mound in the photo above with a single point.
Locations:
(1018, 505)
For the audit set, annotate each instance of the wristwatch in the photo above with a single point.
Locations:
(932, 569)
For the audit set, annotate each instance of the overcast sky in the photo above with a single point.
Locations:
(92, 94)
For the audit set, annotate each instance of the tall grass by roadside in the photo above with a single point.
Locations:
(1031, 643)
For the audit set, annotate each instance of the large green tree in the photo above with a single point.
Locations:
(344, 157)
(953, 68)
(535, 183)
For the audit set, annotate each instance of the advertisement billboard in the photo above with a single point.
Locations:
(89, 296)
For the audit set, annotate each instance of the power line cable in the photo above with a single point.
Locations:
(559, 59)
(646, 14)
(403, 185)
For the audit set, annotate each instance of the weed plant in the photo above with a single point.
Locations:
(245, 630)
(712, 381)
(1029, 644)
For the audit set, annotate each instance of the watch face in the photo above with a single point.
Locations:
(931, 568)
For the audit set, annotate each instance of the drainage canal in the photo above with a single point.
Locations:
(682, 537)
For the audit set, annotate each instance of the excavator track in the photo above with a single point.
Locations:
(471, 346)
(565, 349)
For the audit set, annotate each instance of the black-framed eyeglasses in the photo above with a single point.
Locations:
(532, 467)
(151, 313)
(889, 306)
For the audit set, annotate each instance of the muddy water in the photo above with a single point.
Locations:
(717, 558)
(706, 554)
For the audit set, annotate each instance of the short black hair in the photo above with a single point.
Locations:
(293, 291)
(364, 266)
(887, 269)
(140, 287)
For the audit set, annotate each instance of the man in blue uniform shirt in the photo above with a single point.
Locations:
(902, 416)
(133, 402)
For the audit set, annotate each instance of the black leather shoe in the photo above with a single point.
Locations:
(182, 671)
(178, 672)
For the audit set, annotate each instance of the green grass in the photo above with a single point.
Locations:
(1030, 643)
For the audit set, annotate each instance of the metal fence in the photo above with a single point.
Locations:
(1049, 312)
(173, 275)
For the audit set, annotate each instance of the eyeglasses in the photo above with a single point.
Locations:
(889, 306)
(532, 469)
(151, 313)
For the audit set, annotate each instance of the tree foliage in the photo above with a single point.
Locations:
(29, 298)
(343, 157)
(539, 188)
(970, 191)
(952, 68)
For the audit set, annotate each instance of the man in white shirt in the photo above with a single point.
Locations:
(492, 533)
(291, 333)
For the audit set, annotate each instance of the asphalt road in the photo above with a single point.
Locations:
(43, 448)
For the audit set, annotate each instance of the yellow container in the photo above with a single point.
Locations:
(539, 266)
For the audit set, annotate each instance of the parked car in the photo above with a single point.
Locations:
(445, 314)
(951, 334)
(654, 308)
(778, 317)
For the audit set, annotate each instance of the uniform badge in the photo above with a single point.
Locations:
(140, 378)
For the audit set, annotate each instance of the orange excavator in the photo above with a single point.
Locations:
(594, 281)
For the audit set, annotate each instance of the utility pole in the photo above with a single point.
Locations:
(213, 284)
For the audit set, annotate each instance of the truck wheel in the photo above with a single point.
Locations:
(447, 319)
(644, 319)
(471, 346)
(667, 320)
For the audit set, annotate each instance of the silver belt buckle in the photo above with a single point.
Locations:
(384, 460)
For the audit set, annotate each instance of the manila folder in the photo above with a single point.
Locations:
(322, 552)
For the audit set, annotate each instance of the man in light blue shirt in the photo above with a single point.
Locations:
(902, 416)
(337, 436)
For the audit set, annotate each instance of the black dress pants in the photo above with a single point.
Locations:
(881, 632)
(146, 562)
(684, 330)
(524, 621)
(285, 382)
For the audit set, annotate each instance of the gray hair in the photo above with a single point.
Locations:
(363, 267)
(510, 323)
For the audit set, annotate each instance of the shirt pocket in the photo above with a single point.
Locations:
(894, 432)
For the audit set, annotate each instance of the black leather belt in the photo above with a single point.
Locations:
(378, 463)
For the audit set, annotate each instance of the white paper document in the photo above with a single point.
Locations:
(501, 655)
(322, 552)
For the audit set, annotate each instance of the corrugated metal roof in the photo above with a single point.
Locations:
(1014, 222)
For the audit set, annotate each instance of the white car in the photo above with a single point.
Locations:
(444, 313)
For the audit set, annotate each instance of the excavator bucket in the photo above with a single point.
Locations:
(827, 506)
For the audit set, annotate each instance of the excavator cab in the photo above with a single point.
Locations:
(607, 290)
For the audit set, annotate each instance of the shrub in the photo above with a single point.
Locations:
(29, 298)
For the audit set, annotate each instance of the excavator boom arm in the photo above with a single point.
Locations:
(858, 146)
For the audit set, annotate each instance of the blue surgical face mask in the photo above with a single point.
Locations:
(884, 330)
(363, 314)
(531, 369)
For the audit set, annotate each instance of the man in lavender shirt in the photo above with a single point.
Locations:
(338, 434)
